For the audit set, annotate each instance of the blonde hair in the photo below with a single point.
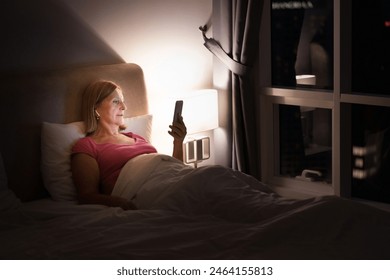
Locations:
(94, 94)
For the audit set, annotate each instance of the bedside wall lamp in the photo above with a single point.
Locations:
(197, 150)
(200, 112)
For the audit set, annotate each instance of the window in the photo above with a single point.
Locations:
(370, 46)
(305, 143)
(371, 152)
(325, 106)
(302, 43)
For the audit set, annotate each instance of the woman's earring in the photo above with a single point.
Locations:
(97, 115)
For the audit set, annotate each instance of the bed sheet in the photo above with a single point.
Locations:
(209, 213)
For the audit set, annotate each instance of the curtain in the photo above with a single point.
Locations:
(239, 57)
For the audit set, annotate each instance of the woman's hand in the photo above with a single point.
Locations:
(178, 132)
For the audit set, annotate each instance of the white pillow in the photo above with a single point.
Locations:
(56, 145)
(141, 125)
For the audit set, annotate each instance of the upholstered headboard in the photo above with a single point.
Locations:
(27, 100)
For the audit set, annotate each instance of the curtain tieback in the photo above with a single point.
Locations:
(214, 47)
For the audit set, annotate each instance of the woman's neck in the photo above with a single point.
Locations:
(106, 131)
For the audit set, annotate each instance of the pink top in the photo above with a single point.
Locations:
(112, 157)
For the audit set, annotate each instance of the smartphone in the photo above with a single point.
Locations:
(178, 109)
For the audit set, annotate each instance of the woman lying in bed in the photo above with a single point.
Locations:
(98, 158)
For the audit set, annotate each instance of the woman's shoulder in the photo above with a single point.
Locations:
(85, 140)
(85, 144)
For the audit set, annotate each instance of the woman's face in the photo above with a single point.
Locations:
(111, 109)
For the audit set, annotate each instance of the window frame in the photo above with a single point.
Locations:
(339, 100)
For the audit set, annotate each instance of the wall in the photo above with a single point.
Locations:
(46, 34)
(161, 36)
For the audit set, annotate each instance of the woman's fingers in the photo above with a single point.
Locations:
(178, 129)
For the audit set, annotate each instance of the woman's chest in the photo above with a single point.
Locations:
(117, 140)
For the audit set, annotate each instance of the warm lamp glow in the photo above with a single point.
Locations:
(200, 114)
(200, 111)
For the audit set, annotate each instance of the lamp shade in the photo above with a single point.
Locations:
(200, 110)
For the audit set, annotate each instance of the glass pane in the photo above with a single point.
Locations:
(302, 43)
(370, 46)
(371, 152)
(305, 137)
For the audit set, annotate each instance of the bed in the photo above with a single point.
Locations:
(211, 212)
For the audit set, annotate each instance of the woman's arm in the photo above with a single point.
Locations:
(178, 132)
(85, 172)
